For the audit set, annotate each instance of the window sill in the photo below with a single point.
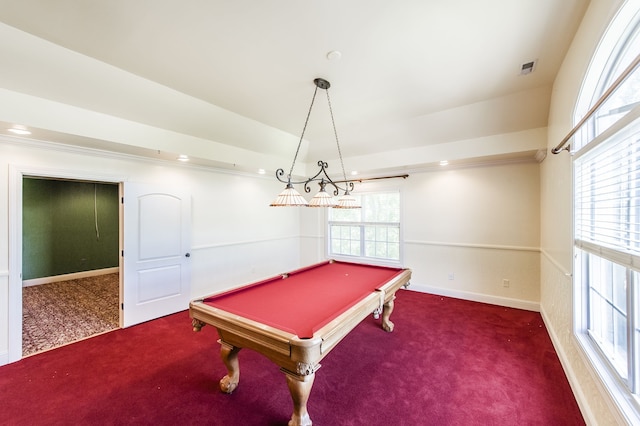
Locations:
(367, 260)
(619, 398)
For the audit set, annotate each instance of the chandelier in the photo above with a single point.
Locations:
(291, 197)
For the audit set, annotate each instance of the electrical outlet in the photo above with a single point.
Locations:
(505, 283)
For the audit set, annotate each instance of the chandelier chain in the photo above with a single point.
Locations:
(335, 132)
(291, 197)
(303, 130)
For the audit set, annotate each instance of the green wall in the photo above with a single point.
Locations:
(59, 227)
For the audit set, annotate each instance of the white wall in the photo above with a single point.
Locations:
(556, 219)
(479, 225)
(467, 230)
(236, 237)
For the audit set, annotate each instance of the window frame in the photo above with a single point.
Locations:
(369, 259)
(625, 391)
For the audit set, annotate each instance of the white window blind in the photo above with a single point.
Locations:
(607, 194)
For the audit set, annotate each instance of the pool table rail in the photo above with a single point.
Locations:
(381, 300)
(283, 348)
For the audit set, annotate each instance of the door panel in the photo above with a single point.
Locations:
(159, 226)
(158, 283)
(157, 270)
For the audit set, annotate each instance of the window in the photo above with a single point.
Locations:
(622, 101)
(606, 171)
(370, 233)
(607, 235)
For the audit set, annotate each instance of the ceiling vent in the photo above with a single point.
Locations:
(528, 67)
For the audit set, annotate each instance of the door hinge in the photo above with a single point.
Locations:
(121, 200)
(122, 253)
(122, 306)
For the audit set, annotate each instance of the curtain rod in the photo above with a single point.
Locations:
(372, 178)
(632, 66)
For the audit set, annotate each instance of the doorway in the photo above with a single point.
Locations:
(70, 261)
(154, 261)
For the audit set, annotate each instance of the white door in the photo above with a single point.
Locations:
(157, 273)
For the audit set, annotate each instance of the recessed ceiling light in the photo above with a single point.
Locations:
(19, 131)
(183, 157)
(261, 171)
(354, 173)
(444, 162)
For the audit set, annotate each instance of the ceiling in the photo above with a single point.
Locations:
(239, 74)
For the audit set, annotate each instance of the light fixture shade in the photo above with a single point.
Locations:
(347, 201)
(289, 197)
(322, 199)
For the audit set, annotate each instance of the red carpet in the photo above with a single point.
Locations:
(448, 362)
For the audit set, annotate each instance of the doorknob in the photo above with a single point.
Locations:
(187, 255)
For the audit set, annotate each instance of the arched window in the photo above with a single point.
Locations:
(617, 49)
(606, 167)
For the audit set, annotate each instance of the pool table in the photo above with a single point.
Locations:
(296, 318)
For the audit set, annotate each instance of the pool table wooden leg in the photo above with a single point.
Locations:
(387, 325)
(229, 355)
(300, 388)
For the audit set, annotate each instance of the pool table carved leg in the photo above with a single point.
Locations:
(197, 324)
(229, 355)
(300, 389)
(387, 325)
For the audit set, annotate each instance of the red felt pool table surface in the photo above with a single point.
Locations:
(303, 301)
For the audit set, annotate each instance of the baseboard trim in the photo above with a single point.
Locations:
(66, 277)
(571, 377)
(477, 297)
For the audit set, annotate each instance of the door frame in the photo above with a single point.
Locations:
(16, 175)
